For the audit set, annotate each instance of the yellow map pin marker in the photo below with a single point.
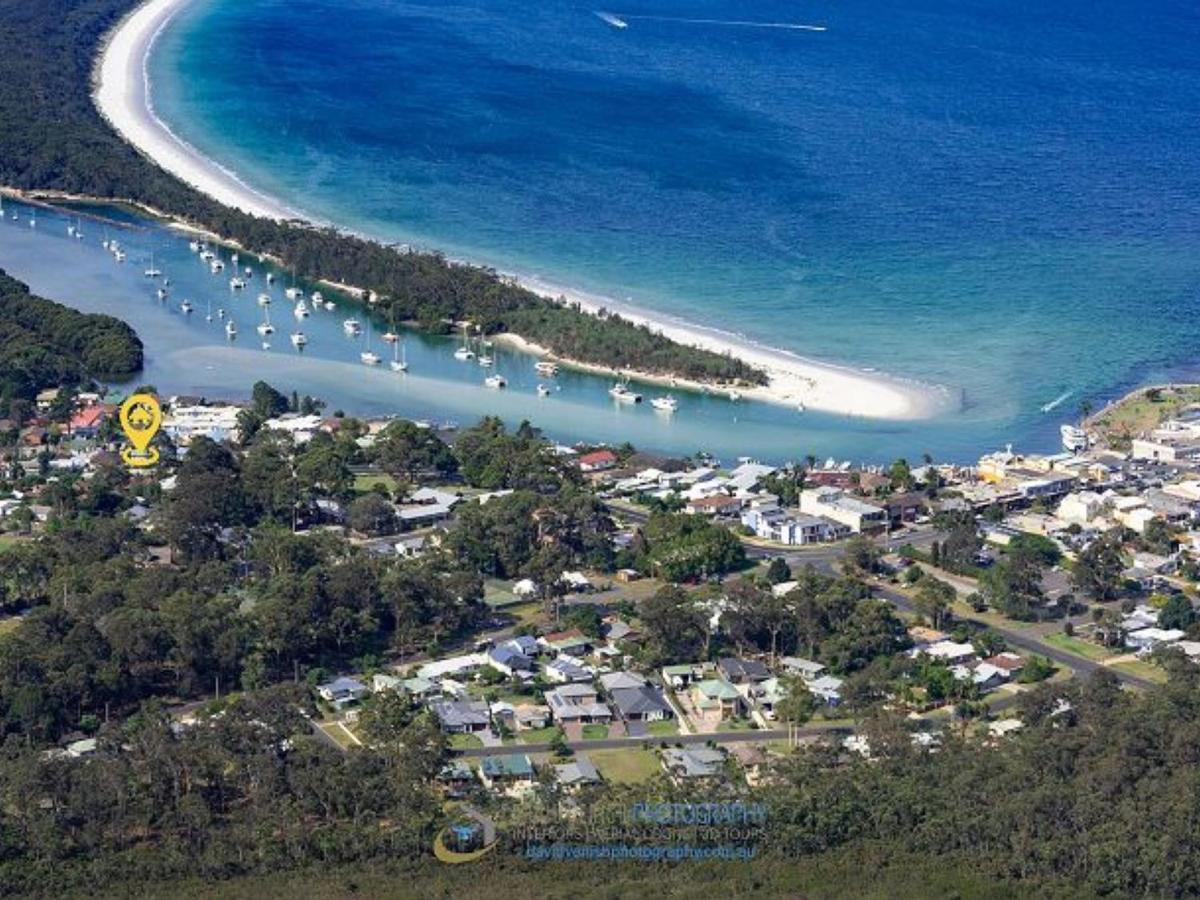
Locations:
(141, 417)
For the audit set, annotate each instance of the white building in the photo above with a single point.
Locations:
(839, 506)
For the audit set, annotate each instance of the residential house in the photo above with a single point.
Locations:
(426, 506)
(904, 508)
(827, 689)
(947, 651)
(462, 716)
(597, 461)
(342, 691)
(764, 696)
(510, 661)
(578, 772)
(1146, 640)
(456, 778)
(577, 703)
(531, 715)
(718, 506)
(742, 671)
(716, 697)
(572, 641)
(645, 703)
(680, 676)
(805, 668)
(612, 681)
(512, 771)
(689, 763)
(565, 670)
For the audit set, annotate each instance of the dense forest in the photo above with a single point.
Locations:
(52, 138)
(45, 343)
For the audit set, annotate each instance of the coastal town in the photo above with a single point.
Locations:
(699, 663)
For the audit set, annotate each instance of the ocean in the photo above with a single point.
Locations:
(997, 197)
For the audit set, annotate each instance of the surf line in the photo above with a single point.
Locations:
(728, 23)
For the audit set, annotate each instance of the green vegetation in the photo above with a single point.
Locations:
(595, 732)
(1078, 646)
(53, 138)
(1142, 410)
(45, 343)
(627, 765)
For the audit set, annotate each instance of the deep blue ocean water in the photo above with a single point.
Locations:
(997, 196)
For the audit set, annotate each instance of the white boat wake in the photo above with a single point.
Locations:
(1056, 402)
(622, 21)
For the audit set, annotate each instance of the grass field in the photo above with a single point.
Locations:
(539, 735)
(595, 732)
(1142, 669)
(1078, 646)
(663, 728)
(631, 766)
(365, 483)
(464, 742)
(1143, 409)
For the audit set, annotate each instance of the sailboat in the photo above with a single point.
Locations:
(230, 329)
(208, 314)
(368, 356)
(465, 352)
(264, 299)
(301, 310)
(152, 272)
(299, 339)
(265, 328)
(399, 358)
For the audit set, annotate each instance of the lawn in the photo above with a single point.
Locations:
(626, 766)
(737, 725)
(11, 540)
(662, 728)
(595, 732)
(464, 742)
(1142, 669)
(539, 735)
(365, 483)
(338, 734)
(1078, 646)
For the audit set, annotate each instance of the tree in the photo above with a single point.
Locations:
(372, 515)
(405, 450)
(674, 626)
(778, 571)
(798, 703)
(1014, 585)
(933, 600)
(1177, 612)
(1097, 572)
(267, 402)
(861, 555)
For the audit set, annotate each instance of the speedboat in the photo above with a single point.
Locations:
(495, 381)
(665, 404)
(330, 305)
(318, 298)
(270, 278)
(545, 367)
(390, 337)
(351, 326)
(194, 246)
(622, 394)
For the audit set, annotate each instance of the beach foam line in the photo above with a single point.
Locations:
(121, 91)
(122, 94)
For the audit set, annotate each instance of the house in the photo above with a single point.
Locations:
(577, 773)
(526, 587)
(1146, 640)
(87, 421)
(687, 763)
(576, 581)
(509, 661)
(839, 506)
(716, 696)
(805, 668)
(342, 691)
(565, 670)
(717, 505)
(772, 523)
(1082, 507)
(452, 665)
(426, 506)
(617, 631)
(462, 716)
(947, 651)
(456, 778)
(641, 704)
(572, 641)
(765, 695)
(612, 681)
(827, 688)
(577, 703)
(742, 671)
(531, 715)
(506, 772)
(1009, 662)
(904, 508)
(752, 760)
(681, 676)
(597, 461)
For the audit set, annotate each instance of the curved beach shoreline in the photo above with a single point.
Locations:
(122, 94)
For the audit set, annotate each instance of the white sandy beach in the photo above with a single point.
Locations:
(122, 94)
